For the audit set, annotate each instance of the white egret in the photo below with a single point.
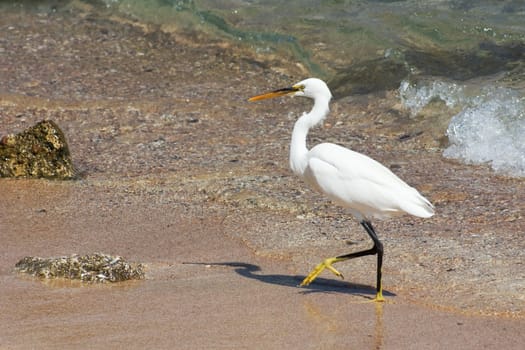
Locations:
(362, 185)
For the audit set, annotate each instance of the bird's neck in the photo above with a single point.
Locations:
(298, 149)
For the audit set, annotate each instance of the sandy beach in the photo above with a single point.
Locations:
(179, 172)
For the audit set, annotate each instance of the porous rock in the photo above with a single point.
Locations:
(97, 267)
(38, 152)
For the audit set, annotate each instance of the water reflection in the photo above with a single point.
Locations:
(379, 329)
(331, 324)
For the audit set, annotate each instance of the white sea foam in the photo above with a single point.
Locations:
(416, 96)
(490, 128)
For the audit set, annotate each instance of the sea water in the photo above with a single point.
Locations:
(490, 127)
(453, 44)
(449, 42)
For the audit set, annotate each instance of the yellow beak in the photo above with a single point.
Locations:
(276, 93)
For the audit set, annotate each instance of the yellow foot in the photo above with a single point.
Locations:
(379, 297)
(327, 263)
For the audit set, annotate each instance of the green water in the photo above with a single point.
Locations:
(455, 39)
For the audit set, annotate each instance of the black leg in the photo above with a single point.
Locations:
(378, 246)
(376, 249)
(379, 249)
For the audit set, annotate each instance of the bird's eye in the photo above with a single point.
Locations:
(299, 87)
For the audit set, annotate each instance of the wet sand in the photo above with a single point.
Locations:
(177, 171)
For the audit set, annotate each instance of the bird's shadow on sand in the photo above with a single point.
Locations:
(320, 284)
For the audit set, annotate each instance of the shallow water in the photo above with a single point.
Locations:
(373, 45)
(327, 36)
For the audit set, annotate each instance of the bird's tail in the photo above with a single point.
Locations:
(418, 206)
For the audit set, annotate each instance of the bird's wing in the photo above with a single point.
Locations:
(352, 165)
(362, 184)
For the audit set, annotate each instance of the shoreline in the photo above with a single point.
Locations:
(178, 168)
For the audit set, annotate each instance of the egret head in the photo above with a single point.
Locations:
(312, 87)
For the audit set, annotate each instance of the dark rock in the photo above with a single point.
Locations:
(40, 151)
(386, 73)
(370, 76)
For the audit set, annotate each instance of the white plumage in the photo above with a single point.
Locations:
(364, 186)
